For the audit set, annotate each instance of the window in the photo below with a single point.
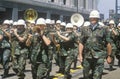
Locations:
(75, 3)
(52, 0)
(84, 4)
(64, 2)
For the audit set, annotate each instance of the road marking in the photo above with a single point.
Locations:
(80, 67)
(71, 71)
(55, 78)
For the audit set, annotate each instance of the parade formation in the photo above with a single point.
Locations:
(41, 41)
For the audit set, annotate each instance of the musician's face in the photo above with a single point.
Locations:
(111, 25)
(74, 27)
(93, 20)
(20, 27)
(6, 26)
(41, 27)
(119, 27)
(69, 29)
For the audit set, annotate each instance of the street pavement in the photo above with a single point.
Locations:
(76, 73)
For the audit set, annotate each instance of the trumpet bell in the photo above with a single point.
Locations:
(77, 19)
(30, 15)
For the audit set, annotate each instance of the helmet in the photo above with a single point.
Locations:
(111, 22)
(69, 25)
(6, 22)
(58, 21)
(101, 23)
(86, 23)
(118, 25)
(11, 21)
(63, 24)
(48, 21)
(40, 21)
(94, 14)
(21, 22)
(52, 21)
(14, 23)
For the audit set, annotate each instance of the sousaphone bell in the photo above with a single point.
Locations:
(30, 15)
(77, 19)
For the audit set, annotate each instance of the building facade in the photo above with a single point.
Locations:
(52, 9)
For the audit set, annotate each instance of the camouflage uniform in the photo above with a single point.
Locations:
(118, 47)
(94, 40)
(76, 51)
(41, 57)
(19, 54)
(5, 52)
(113, 40)
(57, 56)
(67, 53)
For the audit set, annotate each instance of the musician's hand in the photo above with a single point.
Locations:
(15, 31)
(80, 59)
(109, 59)
(12, 30)
(30, 35)
(4, 30)
(41, 33)
(58, 32)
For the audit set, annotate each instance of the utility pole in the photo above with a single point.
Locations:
(117, 8)
(77, 6)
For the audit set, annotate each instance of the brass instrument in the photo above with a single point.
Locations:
(77, 19)
(30, 15)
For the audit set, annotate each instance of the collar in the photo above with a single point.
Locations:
(94, 27)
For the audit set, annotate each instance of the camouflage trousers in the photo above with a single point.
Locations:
(95, 65)
(68, 62)
(39, 71)
(5, 59)
(19, 63)
(113, 57)
(41, 65)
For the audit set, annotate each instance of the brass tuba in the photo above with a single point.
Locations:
(30, 15)
(77, 19)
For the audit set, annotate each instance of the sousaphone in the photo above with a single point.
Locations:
(77, 19)
(30, 15)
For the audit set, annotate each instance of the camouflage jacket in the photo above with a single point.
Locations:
(94, 41)
(18, 46)
(39, 49)
(67, 46)
(5, 43)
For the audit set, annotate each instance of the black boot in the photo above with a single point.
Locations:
(119, 63)
(5, 74)
(111, 68)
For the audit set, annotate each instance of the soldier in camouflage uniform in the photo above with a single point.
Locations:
(67, 46)
(19, 48)
(30, 28)
(40, 53)
(75, 30)
(56, 40)
(5, 47)
(118, 44)
(113, 36)
(92, 47)
(56, 55)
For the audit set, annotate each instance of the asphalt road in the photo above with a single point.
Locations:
(76, 74)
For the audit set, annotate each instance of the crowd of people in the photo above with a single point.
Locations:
(43, 40)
